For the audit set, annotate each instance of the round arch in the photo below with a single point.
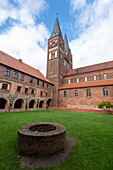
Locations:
(41, 104)
(19, 104)
(3, 103)
(49, 101)
(32, 104)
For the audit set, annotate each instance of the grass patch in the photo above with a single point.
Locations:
(93, 133)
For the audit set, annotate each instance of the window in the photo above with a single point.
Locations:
(55, 54)
(105, 91)
(47, 85)
(15, 74)
(41, 93)
(31, 80)
(88, 92)
(7, 72)
(22, 77)
(95, 78)
(76, 93)
(68, 81)
(65, 93)
(85, 79)
(49, 56)
(4, 86)
(77, 80)
(32, 91)
(42, 84)
(37, 81)
(18, 88)
(26, 90)
(105, 77)
(46, 94)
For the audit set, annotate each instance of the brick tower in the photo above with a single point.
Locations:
(59, 60)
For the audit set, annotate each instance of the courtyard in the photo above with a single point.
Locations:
(91, 131)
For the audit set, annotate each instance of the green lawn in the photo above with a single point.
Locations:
(93, 133)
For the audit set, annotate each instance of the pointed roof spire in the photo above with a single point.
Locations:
(56, 29)
(66, 45)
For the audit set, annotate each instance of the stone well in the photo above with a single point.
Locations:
(41, 139)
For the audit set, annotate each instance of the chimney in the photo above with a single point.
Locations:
(20, 60)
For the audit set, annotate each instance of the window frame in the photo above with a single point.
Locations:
(88, 92)
(15, 75)
(7, 72)
(76, 93)
(105, 92)
(65, 93)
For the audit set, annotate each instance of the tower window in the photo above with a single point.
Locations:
(76, 93)
(105, 77)
(85, 79)
(65, 93)
(95, 78)
(55, 54)
(105, 91)
(77, 80)
(88, 92)
(49, 56)
(15, 74)
(7, 72)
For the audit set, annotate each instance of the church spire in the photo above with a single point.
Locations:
(66, 45)
(56, 29)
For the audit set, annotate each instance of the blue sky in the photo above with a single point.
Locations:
(26, 25)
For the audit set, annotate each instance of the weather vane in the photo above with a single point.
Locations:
(57, 14)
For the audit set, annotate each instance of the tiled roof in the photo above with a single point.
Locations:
(87, 84)
(91, 68)
(20, 66)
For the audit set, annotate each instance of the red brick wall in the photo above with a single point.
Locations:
(82, 101)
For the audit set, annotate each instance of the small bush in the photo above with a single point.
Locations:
(106, 106)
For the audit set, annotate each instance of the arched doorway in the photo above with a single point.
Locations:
(32, 104)
(18, 104)
(41, 104)
(2, 103)
(49, 102)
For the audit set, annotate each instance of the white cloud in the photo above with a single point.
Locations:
(94, 43)
(25, 39)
